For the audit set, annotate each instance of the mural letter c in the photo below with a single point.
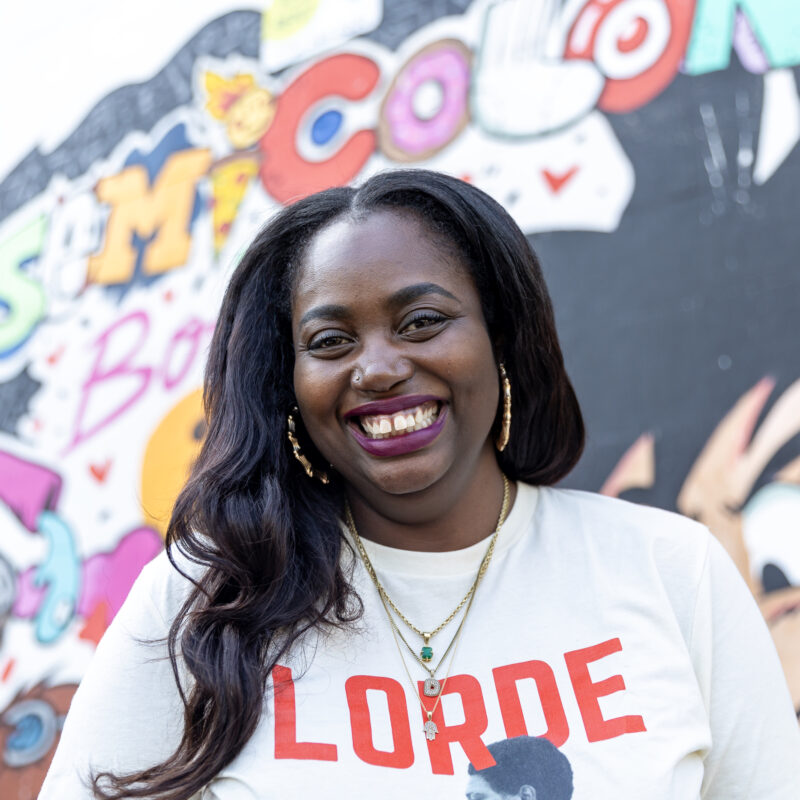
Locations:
(286, 175)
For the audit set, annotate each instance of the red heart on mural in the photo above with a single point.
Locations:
(100, 471)
(168, 296)
(95, 626)
(55, 356)
(556, 182)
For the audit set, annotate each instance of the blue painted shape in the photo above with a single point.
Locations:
(26, 734)
(776, 24)
(60, 572)
(326, 126)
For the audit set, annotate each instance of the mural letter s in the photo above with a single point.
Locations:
(21, 298)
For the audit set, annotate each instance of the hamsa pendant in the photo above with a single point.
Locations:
(431, 687)
(430, 730)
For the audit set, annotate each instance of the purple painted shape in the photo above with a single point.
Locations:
(27, 488)
(746, 45)
(29, 596)
(108, 577)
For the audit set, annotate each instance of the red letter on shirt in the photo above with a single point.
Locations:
(286, 744)
(505, 679)
(356, 687)
(467, 734)
(587, 693)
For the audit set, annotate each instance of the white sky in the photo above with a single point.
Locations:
(57, 59)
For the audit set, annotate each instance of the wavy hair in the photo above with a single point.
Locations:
(268, 537)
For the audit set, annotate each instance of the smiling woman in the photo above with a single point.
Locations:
(369, 573)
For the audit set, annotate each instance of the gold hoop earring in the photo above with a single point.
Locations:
(291, 432)
(505, 428)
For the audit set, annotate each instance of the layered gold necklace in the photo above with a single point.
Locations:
(432, 686)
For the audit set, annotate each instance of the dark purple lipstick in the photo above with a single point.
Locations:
(400, 443)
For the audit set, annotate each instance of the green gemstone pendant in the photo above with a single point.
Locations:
(426, 654)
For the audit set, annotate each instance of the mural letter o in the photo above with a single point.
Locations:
(637, 44)
(427, 105)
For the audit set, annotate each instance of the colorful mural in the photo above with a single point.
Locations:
(647, 146)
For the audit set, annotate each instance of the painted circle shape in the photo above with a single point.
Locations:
(618, 63)
(168, 457)
(426, 106)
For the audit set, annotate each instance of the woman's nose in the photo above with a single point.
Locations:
(380, 369)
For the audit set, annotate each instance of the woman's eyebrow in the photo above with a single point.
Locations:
(401, 297)
(410, 293)
(329, 311)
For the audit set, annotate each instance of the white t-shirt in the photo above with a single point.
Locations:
(621, 633)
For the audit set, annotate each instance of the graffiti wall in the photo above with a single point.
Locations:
(646, 146)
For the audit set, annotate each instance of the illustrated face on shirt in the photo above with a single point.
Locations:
(525, 768)
(478, 788)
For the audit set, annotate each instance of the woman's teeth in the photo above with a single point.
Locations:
(384, 426)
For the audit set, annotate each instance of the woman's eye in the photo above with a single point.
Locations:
(327, 341)
(423, 320)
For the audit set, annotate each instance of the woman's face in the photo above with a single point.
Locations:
(394, 372)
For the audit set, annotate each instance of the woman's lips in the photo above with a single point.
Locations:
(403, 421)
(384, 434)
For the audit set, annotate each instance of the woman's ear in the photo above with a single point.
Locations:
(527, 792)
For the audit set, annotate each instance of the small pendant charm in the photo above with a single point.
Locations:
(430, 730)
(426, 654)
(432, 687)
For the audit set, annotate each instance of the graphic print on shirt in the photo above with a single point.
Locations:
(467, 735)
(527, 767)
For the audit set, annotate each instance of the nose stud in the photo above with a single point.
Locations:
(356, 376)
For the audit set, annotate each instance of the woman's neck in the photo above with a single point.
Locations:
(455, 512)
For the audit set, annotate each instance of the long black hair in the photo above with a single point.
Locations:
(268, 536)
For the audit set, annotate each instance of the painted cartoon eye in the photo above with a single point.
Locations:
(35, 727)
(773, 578)
(636, 44)
(770, 526)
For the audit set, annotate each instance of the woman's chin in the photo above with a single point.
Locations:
(403, 476)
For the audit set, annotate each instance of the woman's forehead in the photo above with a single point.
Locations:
(380, 253)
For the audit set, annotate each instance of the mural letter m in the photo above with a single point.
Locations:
(161, 212)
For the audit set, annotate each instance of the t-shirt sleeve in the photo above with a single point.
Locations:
(127, 713)
(755, 747)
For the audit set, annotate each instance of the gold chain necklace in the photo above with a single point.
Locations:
(431, 687)
(426, 653)
(430, 729)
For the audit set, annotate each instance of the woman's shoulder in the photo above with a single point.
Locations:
(165, 583)
(618, 526)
